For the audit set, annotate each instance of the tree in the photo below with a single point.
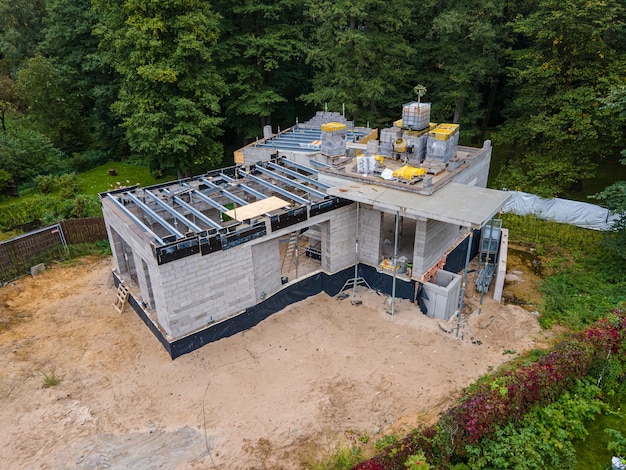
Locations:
(70, 46)
(462, 57)
(574, 51)
(25, 153)
(20, 29)
(169, 94)
(615, 194)
(361, 57)
(51, 107)
(261, 55)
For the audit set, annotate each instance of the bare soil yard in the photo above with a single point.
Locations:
(321, 373)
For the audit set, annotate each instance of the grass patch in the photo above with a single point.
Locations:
(582, 279)
(51, 379)
(98, 179)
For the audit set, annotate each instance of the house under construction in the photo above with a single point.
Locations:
(317, 207)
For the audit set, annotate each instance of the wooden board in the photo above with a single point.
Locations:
(256, 209)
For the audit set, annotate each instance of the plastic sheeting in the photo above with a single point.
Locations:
(581, 214)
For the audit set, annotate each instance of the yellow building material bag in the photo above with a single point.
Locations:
(409, 172)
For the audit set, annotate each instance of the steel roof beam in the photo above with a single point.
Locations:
(210, 201)
(135, 219)
(164, 223)
(289, 181)
(210, 222)
(295, 174)
(229, 195)
(247, 189)
(174, 213)
(273, 187)
(299, 166)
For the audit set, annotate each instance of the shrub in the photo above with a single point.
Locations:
(492, 406)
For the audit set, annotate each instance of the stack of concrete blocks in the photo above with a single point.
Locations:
(334, 136)
(252, 154)
(388, 137)
(443, 295)
(416, 116)
(418, 142)
(442, 142)
(324, 117)
(365, 165)
(372, 147)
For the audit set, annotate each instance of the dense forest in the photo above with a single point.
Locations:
(169, 84)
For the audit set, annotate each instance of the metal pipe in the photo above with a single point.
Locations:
(462, 299)
(395, 268)
(356, 250)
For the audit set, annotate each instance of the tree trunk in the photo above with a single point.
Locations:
(459, 110)
(491, 98)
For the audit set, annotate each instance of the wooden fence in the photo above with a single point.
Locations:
(18, 254)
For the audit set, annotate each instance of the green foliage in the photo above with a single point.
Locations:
(98, 180)
(543, 439)
(25, 153)
(50, 108)
(20, 29)
(618, 443)
(51, 379)
(169, 94)
(360, 54)
(341, 459)
(573, 54)
(260, 54)
(40, 209)
(417, 462)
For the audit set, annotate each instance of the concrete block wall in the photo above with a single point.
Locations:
(200, 290)
(443, 295)
(127, 237)
(266, 268)
(338, 239)
(478, 171)
(370, 222)
(432, 239)
(251, 155)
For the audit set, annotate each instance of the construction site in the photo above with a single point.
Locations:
(323, 206)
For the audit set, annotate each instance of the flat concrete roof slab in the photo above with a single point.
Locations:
(455, 203)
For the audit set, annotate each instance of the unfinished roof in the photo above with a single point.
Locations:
(469, 206)
(223, 208)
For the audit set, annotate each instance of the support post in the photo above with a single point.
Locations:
(395, 268)
(462, 299)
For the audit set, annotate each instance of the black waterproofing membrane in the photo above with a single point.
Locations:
(313, 285)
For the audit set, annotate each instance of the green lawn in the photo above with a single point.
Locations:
(98, 180)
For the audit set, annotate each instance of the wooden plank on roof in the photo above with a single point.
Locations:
(256, 209)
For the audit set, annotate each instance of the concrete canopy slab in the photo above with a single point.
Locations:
(455, 203)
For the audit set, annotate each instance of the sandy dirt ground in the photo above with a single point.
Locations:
(321, 373)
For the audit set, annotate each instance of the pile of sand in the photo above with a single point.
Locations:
(319, 373)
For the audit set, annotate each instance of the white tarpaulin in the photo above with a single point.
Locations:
(581, 214)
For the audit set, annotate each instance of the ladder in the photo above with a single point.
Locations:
(121, 297)
(290, 251)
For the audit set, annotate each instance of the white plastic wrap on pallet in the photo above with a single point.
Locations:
(581, 214)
